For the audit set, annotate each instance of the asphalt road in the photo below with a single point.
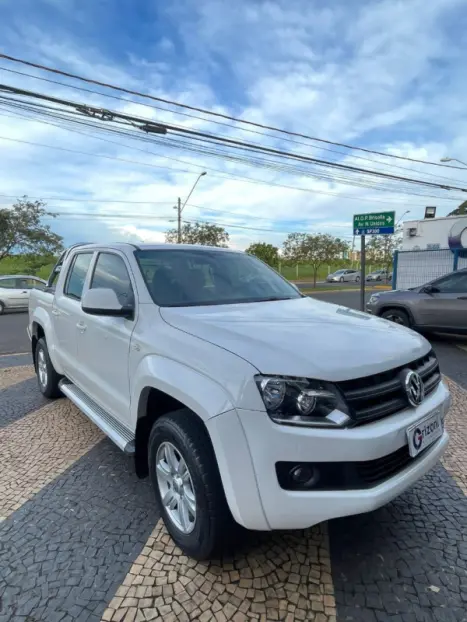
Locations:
(13, 336)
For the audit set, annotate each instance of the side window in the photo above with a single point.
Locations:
(452, 284)
(111, 272)
(77, 275)
(28, 283)
(36, 284)
(8, 283)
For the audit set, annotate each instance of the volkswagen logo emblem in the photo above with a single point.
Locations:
(413, 387)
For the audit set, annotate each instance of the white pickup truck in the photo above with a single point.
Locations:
(243, 400)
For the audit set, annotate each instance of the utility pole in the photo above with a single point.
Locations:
(362, 272)
(179, 221)
(179, 207)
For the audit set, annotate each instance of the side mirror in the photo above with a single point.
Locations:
(104, 301)
(429, 289)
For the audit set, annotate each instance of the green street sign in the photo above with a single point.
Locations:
(377, 223)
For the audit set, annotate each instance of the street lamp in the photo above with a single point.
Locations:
(179, 207)
(453, 160)
(406, 212)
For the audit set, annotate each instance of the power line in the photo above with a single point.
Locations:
(76, 200)
(295, 170)
(216, 114)
(228, 125)
(229, 176)
(111, 115)
(85, 215)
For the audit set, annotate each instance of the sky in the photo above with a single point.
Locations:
(386, 75)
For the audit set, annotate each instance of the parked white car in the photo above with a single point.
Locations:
(340, 276)
(243, 400)
(378, 275)
(15, 289)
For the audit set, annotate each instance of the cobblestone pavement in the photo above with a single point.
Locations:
(13, 375)
(80, 538)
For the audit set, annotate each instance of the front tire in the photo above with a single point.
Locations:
(187, 484)
(2, 308)
(47, 377)
(341, 279)
(398, 316)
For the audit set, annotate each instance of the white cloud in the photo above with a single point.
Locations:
(375, 75)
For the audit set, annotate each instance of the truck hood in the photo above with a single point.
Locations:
(302, 337)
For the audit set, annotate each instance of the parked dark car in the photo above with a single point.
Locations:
(440, 305)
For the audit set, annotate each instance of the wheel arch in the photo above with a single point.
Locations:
(37, 332)
(154, 403)
(156, 394)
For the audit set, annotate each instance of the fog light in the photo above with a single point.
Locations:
(304, 476)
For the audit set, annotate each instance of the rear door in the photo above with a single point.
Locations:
(67, 312)
(447, 307)
(22, 291)
(24, 286)
(104, 344)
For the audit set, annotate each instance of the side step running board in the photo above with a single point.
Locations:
(117, 432)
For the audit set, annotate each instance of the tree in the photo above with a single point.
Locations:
(381, 248)
(205, 234)
(460, 211)
(266, 252)
(22, 231)
(313, 249)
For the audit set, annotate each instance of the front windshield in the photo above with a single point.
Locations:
(185, 277)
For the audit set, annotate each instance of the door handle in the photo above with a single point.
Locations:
(81, 327)
(55, 312)
(25, 291)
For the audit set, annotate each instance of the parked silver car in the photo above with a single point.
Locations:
(343, 275)
(378, 275)
(14, 290)
(440, 305)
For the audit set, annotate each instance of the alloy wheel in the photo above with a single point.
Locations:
(176, 487)
(42, 368)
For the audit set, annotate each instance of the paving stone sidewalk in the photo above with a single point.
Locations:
(81, 541)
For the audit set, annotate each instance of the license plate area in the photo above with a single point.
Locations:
(424, 433)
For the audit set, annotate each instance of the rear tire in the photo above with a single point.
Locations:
(398, 316)
(47, 377)
(2, 308)
(357, 279)
(194, 510)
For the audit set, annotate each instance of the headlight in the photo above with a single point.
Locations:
(374, 298)
(302, 402)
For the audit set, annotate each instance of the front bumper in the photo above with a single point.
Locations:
(255, 444)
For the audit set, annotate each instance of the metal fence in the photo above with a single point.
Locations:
(415, 268)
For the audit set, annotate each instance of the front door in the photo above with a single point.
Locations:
(104, 344)
(13, 296)
(446, 306)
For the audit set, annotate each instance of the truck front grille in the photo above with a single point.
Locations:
(381, 395)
